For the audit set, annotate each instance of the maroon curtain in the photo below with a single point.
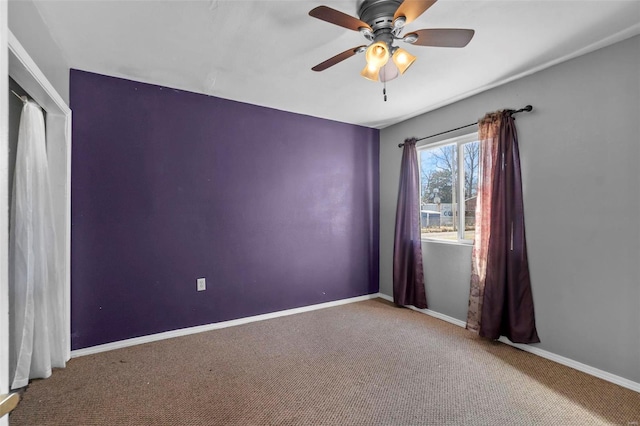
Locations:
(488, 133)
(507, 306)
(408, 275)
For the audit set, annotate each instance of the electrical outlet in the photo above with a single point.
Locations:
(201, 284)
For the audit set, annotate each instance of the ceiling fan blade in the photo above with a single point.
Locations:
(442, 37)
(338, 58)
(338, 18)
(411, 9)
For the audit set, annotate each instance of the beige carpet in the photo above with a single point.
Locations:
(366, 363)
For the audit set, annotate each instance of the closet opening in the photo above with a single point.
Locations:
(26, 79)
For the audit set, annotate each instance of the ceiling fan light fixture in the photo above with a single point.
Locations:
(370, 72)
(377, 54)
(403, 59)
(388, 72)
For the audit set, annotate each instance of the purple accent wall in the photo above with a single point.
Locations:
(276, 210)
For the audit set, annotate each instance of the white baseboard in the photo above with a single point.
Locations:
(215, 326)
(601, 374)
(621, 381)
(429, 312)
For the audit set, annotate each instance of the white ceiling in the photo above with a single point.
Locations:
(261, 52)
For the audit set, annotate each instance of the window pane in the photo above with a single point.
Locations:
(471, 166)
(438, 174)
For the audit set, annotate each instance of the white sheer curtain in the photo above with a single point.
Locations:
(35, 284)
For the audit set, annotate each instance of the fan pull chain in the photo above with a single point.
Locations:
(384, 91)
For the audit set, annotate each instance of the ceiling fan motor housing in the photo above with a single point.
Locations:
(378, 13)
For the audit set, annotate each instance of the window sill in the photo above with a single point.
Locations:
(449, 242)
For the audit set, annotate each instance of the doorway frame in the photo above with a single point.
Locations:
(4, 207)
(23, 69)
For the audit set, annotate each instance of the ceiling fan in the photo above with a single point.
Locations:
(381, 23)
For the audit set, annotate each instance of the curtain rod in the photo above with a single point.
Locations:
(528, 108)
(22, 98)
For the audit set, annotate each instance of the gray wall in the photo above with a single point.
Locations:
(32, 32)
(579, 150)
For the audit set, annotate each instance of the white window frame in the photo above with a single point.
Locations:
(459, 141)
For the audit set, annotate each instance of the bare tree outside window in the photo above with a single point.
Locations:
(471, 165)
(471, 170)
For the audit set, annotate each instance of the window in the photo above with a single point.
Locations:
(449, 188)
